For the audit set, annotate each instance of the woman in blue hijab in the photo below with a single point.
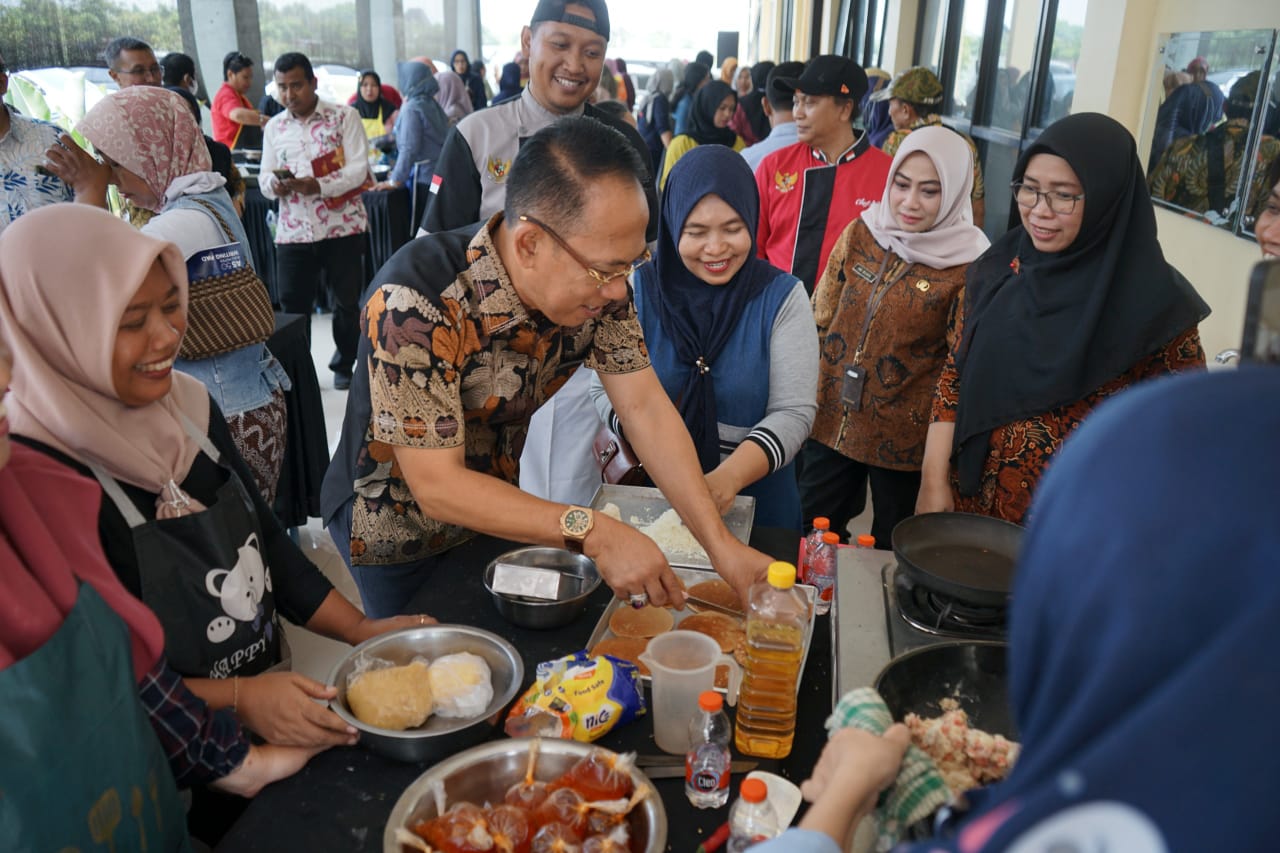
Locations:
(421, 128)
(731, 337)
(1142, 642)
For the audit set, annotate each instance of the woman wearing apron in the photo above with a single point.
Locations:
(96, 332)
(82, 759)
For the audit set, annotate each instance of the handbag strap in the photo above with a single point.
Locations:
(226, 229)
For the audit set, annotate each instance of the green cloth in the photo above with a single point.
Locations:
(919, 789)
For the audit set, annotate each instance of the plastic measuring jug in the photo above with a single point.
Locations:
(682, 664)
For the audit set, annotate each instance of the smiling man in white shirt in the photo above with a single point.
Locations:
(315, 160)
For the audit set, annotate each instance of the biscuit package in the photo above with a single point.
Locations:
(579, 697)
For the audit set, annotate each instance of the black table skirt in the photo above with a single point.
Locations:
(388, 231)
(342, 799)
(306, 452)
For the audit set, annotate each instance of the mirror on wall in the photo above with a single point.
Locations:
(1206, 123)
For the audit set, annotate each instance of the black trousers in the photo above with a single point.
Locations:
(340, 260)
(834, 485)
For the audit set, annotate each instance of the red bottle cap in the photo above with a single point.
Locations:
(831, 538)
(710, 701)
(822, 522)
(754, 790)
(866, 541)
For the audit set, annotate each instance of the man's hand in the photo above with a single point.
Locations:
(299, 186)
(80, 170)
(630, 563)
(741, 566)
(280, 707)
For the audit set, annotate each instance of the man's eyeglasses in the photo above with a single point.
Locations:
(602, 278)
(154, 71)
(1059, 202)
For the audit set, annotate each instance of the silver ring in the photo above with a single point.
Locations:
(638, 600)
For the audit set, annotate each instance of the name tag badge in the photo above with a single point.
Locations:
(851, 391)
(863, 273)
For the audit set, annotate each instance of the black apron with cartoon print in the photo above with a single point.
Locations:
(205, 577)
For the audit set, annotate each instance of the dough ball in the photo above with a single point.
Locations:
(461, 685)
(395, 698)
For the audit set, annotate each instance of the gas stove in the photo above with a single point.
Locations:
(879, 614)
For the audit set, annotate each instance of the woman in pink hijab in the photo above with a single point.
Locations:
(83, 677)
(453, 96)
(155, 154)
(893, 281)
(95, 333)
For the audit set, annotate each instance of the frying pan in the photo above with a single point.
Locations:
(960, 555)
(975, 673)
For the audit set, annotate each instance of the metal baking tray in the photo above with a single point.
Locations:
(690, 577)
(646, 504)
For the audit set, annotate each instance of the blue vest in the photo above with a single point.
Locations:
(742, 386)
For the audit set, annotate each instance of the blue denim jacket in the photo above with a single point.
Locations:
(243, 379)
(240, 380)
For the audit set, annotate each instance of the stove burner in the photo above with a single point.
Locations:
(933, 613)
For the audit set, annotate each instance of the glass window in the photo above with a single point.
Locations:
(72, 33)
(1060, 85)
(965, 89)
(933, 30)
(1012, 81)
(424, 31)
(330, 38)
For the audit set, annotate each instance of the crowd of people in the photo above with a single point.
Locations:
(771, 281)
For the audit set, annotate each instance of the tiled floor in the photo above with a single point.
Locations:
(315, 656)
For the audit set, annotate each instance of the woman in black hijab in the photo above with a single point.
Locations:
(1069, 308)
(696, 75)
(374, 109)
(709, 116)
(461, 64)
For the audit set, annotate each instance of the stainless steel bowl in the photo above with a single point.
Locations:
(537, 613)
(485, 772)
(438, 737)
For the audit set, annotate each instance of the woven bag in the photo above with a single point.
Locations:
(226, 312)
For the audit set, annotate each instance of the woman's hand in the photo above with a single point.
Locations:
(368, 628)
(723, 489)
(935, 496)
(384, 186)
(265, 763)
(855, 766)
(280, 707)
(79, 170)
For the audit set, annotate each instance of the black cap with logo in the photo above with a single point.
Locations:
(558, 10)
(827, 75)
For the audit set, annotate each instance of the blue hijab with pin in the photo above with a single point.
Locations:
(698, 317)
(1143, 632)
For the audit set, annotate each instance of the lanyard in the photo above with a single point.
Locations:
(880, 288)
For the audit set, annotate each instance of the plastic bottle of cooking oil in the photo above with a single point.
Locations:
(776, 620)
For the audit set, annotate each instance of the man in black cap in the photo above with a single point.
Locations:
(812, 190)
(565, 42)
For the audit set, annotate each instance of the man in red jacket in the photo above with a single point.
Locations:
(812, 190)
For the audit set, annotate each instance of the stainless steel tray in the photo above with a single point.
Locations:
(646, 504)
(690, 577)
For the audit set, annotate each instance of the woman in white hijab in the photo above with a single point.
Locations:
(893, 282)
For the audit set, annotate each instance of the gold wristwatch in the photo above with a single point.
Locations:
(575, 523)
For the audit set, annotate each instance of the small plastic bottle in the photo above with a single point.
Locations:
(866, 540)
(706, 764)
(777, 616)
(822, 571)
(821, 525)
(752, 819)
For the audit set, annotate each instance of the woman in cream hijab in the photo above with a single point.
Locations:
(94, 334)
(894, 279)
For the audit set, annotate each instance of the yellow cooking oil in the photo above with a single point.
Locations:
(776, 620)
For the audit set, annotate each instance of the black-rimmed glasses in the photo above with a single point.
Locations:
(602, 278)
(1058, 201)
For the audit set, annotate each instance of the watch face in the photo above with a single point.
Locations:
(577, 522)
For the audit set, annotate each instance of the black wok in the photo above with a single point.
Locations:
(963, 556)
(973, 673)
